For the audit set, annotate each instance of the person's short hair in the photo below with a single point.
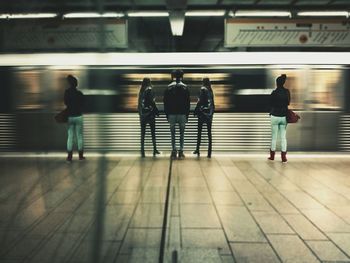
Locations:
(281, 80)
(177, 73)
(73, 82)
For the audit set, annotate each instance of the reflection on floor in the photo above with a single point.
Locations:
(224, 209)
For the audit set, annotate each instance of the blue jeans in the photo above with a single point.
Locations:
(278, 125)
(75, 125)
(181, 120)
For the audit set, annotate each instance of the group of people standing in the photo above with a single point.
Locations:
(177, 110)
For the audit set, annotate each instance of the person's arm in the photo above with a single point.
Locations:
(65, 98)
(272, 101)
(165, 102)
(213, 101)
(154, 105)
(82, 101)
(196, 109)
(188, 102)
(288, 96)
(139, 106)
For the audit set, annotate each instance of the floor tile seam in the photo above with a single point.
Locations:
(301, 213)
(246, 207)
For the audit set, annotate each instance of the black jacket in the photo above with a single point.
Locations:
(74, 100)
(177, 99)
(147, 107)
(205, 106)
(279, 100)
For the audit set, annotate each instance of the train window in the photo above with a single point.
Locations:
(313, 88)
(27, 90)
(326, 89)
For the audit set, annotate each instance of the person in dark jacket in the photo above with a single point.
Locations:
(74, 100)
(147, 111)
(177, 109)
(204, 111)
(279, 99)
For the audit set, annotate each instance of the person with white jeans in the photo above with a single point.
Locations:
(280, 99)
(74, 100)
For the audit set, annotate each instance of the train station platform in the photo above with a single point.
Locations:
(230, 208)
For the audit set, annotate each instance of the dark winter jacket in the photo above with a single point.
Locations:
(205, 106)
(147, 107)
(74, 100)
(279, 100)
(177, 99)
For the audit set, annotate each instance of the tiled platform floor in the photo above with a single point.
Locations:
(224, 209)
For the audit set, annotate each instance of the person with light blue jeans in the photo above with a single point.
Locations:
(75, 127)
(181, 120)
(177, 108)
(280, 99)
(74, 100)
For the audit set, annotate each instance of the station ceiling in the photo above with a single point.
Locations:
(80, 5)
(153, 34)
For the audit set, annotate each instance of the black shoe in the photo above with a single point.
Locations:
(69, 157)
(156, 152)
(81, 156)
(173, 154)
(197, 152)
(181, 155)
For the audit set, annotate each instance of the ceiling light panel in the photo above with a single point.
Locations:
(93, 15)
(205, 13)
(148, 14)
(323, 13)
(27, 16)
(262, 13)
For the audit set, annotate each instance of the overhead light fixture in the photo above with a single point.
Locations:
(205, 13)
(93, 15)
(262, 13)
(148, 14)
(27, 16)
(177, 22)
(323, 13)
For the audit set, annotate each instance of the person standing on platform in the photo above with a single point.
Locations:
(74, 100)
(177, 109)
(147, 111)
(204, 111)
(279, 99)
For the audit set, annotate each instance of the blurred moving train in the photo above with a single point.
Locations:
(32, 87)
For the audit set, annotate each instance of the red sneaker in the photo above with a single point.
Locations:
(284, 157)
